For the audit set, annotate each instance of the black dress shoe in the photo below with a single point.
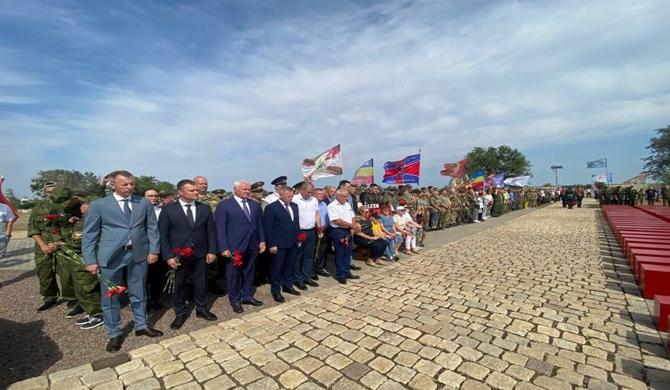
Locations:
(205, 314)
(312, 283)
(342, 280)
(149, 332)
(178, 321)
(315, 277)
(291, 291)
(48, 304)
(253, 302)
(237, 308)
(278, 298)
(301, 286)
(355, 267)
(323, 272)
(114, 344)
(353, 277)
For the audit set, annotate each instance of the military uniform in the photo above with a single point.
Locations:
(49, 220)
(273, 197)
(86, 288)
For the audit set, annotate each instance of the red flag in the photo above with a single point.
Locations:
(454, 169)
(6, 201)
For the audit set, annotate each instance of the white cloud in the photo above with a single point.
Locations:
(382, 81)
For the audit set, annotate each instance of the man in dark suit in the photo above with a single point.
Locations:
(121, 236)
(188, 224)
(239, 229)
(281, 223)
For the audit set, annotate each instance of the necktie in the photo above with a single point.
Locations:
(126, 209)
(288, 210)
(245, 207)
(189, 214)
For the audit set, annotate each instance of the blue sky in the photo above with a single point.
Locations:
(247, 89)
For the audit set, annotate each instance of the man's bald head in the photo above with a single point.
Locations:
(202, 184)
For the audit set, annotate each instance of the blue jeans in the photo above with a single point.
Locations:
(304, 261)
(390, 244)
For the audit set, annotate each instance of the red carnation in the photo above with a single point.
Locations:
(183, 252)
(237, 259)
(302, 237)
(51, 217)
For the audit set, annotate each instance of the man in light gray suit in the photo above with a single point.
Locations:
(121, 231)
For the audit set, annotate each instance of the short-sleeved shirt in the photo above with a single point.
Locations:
(6, 216)
(401, 220)
(307, 209)
(337, 210)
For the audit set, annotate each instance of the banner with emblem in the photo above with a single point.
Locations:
(454, 169)
(639, 179)
(326, 164)
(365, 174)
(404, 171)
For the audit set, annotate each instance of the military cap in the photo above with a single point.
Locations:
(221, 191)
(279, 181)
(373, 185)
(165, 193)
(257, 186)
(297, 185)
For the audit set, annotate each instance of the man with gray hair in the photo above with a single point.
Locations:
(240, 234)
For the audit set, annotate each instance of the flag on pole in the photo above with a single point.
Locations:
(597, 163)
(454, 169)
(405, 171)
(326, 164)
(365, 174)
(519, 181)
(599, 178)
(639, 179)
(477, 180)
(6, 201)
(494, 180)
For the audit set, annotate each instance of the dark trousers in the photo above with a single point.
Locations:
(196, 269)
(156, 280)
(241, 280)
(283, 264)
(323, 247)
(377, 247)
(304, 261)
(342, 252)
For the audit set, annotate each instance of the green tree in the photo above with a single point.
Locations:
(12, 198)
(500, 159)
(657, 165)
(143, 183)
(86, 183)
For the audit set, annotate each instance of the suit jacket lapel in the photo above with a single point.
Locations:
(116, 207)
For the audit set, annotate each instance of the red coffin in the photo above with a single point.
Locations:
(648, 260)
(661, 312)
(654, 280)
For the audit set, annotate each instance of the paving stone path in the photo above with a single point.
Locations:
(543, 301)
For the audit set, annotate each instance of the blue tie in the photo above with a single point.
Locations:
(245, 207)
(126, 210)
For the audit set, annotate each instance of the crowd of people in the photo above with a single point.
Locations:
(632, 195)
(136, 246)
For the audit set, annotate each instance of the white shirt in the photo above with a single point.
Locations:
(273, 197)
(401, 220)
(337, 210)
(6, 216)
(157, 210)
(183, 207)
(307, 210)
(120, 199)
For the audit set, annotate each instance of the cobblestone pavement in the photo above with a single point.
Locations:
(544, 301)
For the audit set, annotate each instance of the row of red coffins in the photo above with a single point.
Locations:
(644, 238)
(657, 211)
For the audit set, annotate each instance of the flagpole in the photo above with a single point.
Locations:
(606, 175)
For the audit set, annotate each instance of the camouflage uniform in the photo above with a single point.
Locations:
(86, 288)
(49, 220)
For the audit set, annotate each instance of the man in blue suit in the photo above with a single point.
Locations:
(281, 223)
(239, 228)
(121, 233)
(188, 224)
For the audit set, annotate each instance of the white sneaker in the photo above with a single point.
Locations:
(93, 323)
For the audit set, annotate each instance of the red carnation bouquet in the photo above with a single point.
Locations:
(238, 259)
(301, 237)
(345, 240)
(180, 253)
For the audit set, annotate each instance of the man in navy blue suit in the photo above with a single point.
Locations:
(239, 230)
(281, 223)
(188, 224)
